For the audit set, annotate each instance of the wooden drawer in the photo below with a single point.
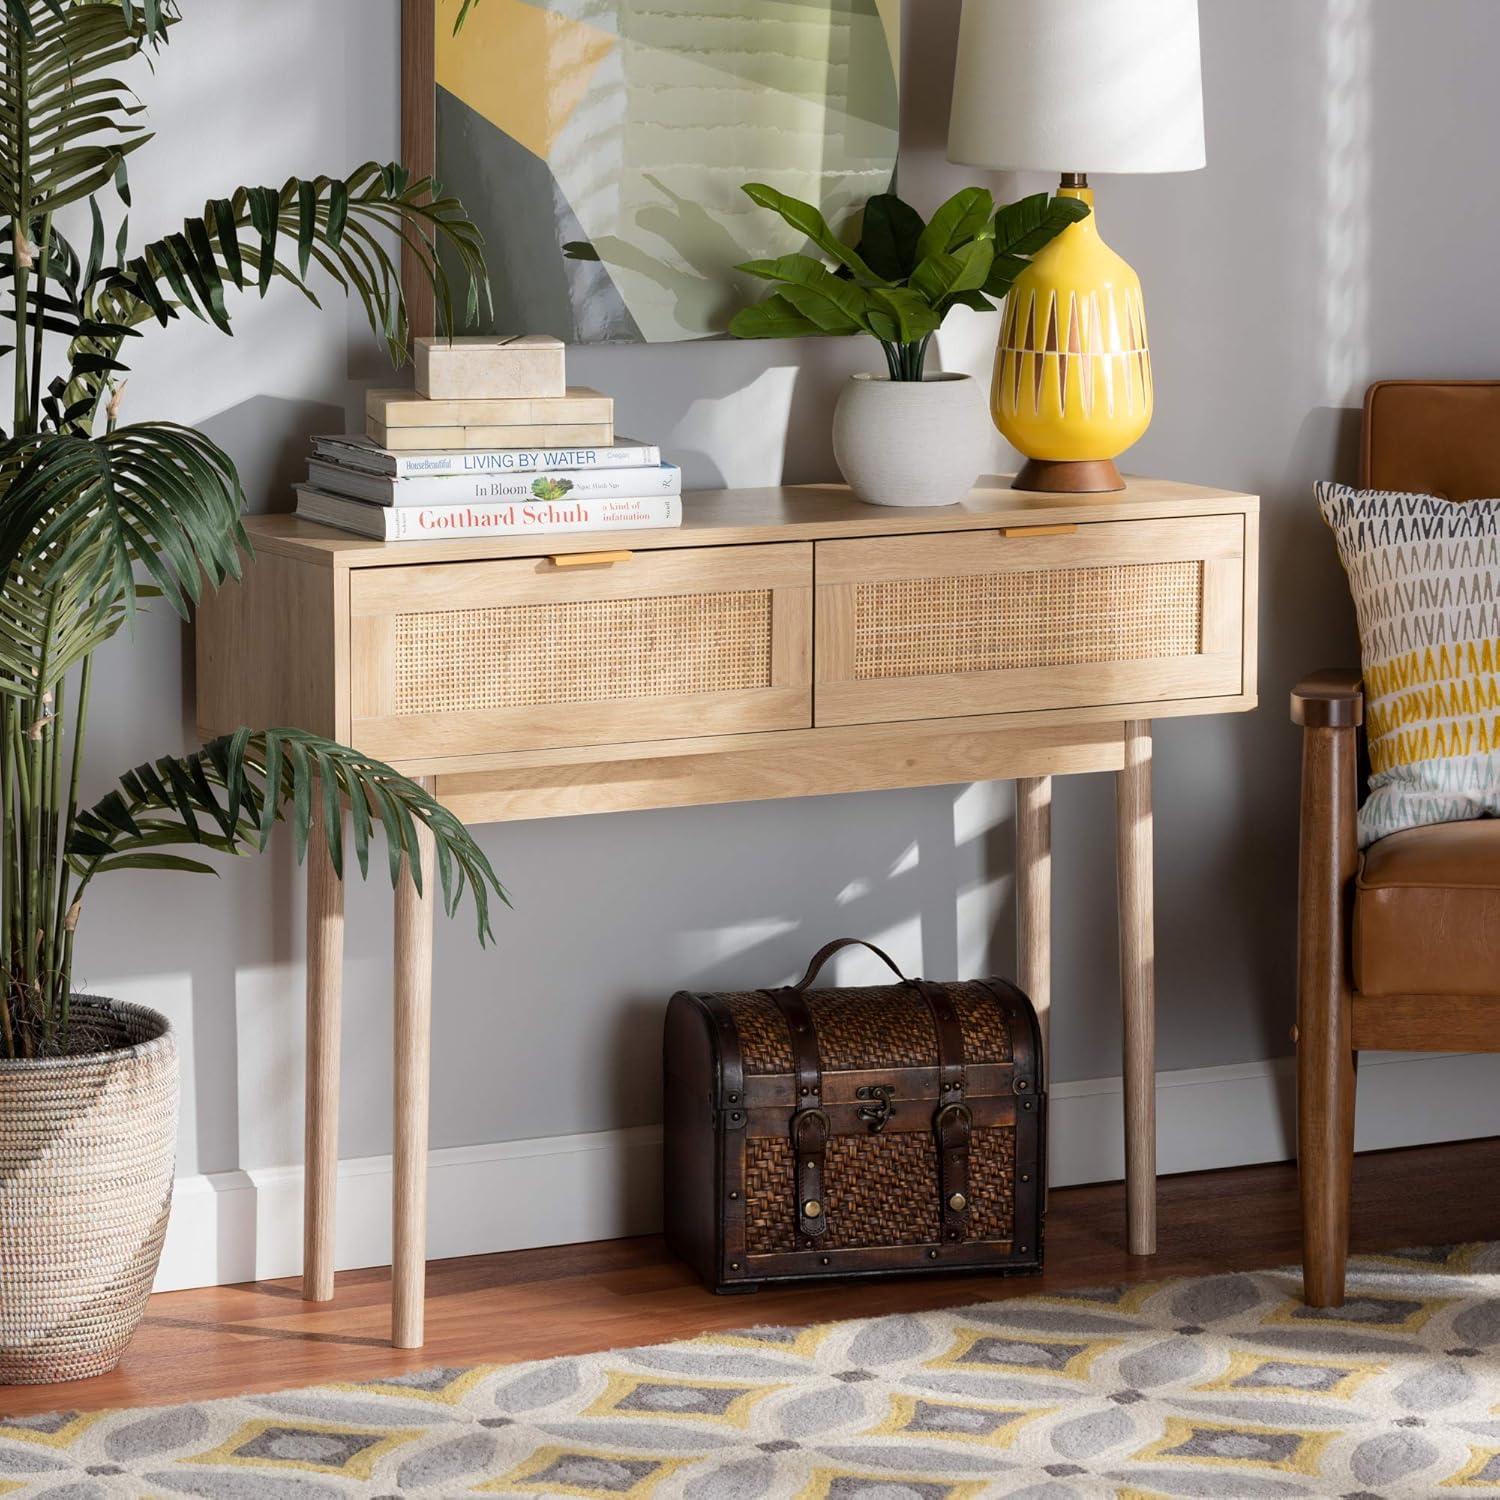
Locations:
(468, 658)
(984, 622)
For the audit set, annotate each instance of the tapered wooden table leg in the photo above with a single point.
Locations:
(413, 995)
(1034, 900)
(1138, 984)
(325, 974)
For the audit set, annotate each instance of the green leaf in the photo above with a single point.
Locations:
(889, 235)
(66, 121)
(80, 513)
(808, 221)
(279, 772)
(341, 227)
(959, 220)
(940, 276)
(1023, 228)
(836, 305)
(912, 317)
(144, 860)
(977, 300)
(774, 318)
(307, 224)
(338, 213)
(227, 233)
(1030, 224)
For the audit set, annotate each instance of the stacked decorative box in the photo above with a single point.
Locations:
(493, 441)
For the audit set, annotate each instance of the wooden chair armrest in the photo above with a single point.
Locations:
(1330, 698)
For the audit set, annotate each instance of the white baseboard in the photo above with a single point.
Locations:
(246, 1226)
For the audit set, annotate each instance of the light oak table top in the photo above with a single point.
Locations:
(787, 513)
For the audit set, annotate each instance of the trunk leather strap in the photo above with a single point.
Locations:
(810, 1127)
(953, 1122)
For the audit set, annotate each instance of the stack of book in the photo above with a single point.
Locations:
(493, 442)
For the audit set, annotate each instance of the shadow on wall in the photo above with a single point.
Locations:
(270, 438)
(1307, 622)
(751, 917)
(731, 412)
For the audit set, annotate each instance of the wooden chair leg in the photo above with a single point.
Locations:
(1325, 1160)
(1325, 1053)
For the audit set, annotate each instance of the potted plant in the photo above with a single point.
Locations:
(905, 437)
(88, 1088)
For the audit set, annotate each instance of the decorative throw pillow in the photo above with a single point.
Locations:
(1425, 575)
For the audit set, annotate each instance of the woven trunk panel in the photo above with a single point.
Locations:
(587, 651)
(991, 622)
(880, 1026)
(87, 1147)
(879, 1190)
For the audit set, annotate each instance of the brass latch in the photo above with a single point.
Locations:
(878, 1110)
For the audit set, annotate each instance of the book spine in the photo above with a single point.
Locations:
(546, 518)
(527, 460)
(553, 484)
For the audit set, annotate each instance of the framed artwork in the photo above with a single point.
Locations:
(623, 130)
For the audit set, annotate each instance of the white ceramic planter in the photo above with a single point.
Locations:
(911, 442)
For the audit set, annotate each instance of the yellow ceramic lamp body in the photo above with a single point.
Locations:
(1073, 371)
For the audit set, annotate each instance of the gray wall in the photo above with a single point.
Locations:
(1345, 229)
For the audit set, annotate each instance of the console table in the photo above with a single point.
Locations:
(783, 642)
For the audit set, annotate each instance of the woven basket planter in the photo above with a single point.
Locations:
(87, 1149)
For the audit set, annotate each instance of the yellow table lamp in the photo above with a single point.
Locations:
(1063, 86)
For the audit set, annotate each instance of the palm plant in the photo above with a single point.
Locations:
(88, 503)
(905, 274)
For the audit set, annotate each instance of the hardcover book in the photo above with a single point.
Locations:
(366, 454)
(493, 485)
(399, 523)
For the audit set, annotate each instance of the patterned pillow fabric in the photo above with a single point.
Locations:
(1425, 575)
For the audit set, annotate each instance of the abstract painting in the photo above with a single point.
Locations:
(624, 129)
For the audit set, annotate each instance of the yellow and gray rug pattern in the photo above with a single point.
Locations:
(1209, 1386)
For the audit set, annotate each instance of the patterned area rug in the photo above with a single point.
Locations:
(1216, 1386)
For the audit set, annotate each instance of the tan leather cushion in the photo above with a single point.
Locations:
(1427, 912)
(1432, 437)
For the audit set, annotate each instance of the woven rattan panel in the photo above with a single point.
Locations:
(991, 622)
(585, 651)
(883, 1026)
(879, 1190)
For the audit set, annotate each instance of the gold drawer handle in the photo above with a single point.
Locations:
(587, 559)
(1063, 529)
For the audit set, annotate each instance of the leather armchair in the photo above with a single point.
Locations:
(1398, 947)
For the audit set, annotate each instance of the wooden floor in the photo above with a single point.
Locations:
(222, 1341)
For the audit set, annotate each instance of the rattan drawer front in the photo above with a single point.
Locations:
(1132, 612)
(475, 657)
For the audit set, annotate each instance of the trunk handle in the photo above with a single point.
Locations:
(827, 951)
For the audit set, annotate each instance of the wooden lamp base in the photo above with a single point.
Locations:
(1069, 477)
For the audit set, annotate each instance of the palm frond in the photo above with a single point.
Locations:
(229, 796)
(341, 225)
(49, 625)
(90, 509)
(66, 118)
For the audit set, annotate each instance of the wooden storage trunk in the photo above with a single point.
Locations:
(854, 1132)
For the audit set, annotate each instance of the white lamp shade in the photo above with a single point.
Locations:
(1078, 86)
